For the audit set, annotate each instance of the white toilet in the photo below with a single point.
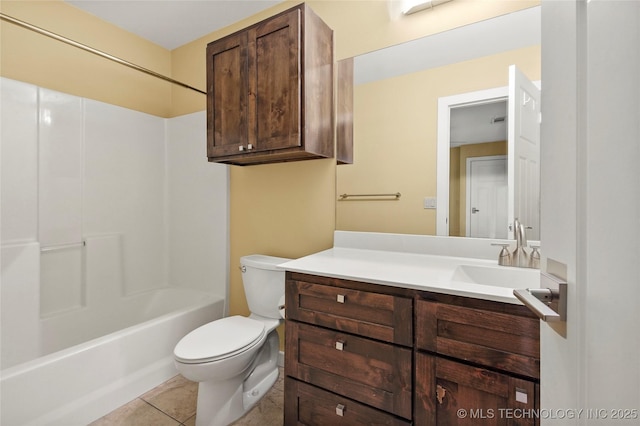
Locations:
(235, 358)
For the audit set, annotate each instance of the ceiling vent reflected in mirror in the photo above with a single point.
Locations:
(413, 6)
(478, 123)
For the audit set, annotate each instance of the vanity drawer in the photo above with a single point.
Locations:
(375, 373)
(380, 316)
(315, 406)
(503, 341)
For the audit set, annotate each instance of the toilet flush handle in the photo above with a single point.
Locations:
(242, 268)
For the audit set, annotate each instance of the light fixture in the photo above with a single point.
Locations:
(413, 6)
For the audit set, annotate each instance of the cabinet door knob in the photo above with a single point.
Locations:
(340, 345)
(440, 393)
(341, 298)
(241, 148)
(521, 395)
(250, 146)
(340, 410)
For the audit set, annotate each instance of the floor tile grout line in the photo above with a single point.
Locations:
(168, 415)
(268, 395)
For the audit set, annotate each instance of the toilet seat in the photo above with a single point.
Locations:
(219, 339)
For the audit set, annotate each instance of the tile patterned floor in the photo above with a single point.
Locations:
(173, 403)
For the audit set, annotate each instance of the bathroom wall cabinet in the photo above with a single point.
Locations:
(362, 354)
(270, 91)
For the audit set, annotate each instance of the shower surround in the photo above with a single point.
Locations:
(110, 217)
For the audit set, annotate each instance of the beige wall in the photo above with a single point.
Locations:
(34, 58)
(395, 131)
(282, 209)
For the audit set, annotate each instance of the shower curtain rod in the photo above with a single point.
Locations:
(89, 49)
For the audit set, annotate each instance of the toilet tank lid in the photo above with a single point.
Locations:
(262, 261)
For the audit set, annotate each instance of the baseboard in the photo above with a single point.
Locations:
(281, 359)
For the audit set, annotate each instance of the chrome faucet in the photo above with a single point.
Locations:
(520, 257)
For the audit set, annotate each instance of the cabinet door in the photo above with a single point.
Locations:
(275, 69)
(453, 393)
(227, 95)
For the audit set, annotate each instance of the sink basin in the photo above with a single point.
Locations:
(498, 276)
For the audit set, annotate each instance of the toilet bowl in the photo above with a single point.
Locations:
(234, 359)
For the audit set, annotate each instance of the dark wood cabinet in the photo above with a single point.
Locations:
(454, 393)
(227, 95)
(270, 91)
(344, 112)
(498, 340)
(352, 345)
(310, 405)
(365, 370)
(477, 362)
(334, 304)
(358, 353)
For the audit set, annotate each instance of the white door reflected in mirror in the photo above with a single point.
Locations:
(524, 142)
(487, 197)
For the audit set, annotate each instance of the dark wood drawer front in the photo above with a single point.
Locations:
(314, 406)
(503, 341)
(378, 316)
(375, 373)
(445, 387)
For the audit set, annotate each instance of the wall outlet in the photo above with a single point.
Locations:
(430, 202)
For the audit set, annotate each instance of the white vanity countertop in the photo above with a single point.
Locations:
(400, 269)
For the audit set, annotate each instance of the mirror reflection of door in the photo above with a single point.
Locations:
(487, 197)
(478, 137)
(524, 147)
(466, 123)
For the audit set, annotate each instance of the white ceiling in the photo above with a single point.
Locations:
(172, 23)
(486, 122)
(500, 34)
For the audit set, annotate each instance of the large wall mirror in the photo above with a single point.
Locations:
(401, 95)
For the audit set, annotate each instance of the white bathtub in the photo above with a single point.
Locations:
(77, 385)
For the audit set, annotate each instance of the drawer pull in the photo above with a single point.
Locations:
(340, 298)
(340, 345)
(340, 410)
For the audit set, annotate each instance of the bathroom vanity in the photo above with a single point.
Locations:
(424, 348)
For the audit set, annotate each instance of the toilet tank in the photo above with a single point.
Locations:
(263, 283)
